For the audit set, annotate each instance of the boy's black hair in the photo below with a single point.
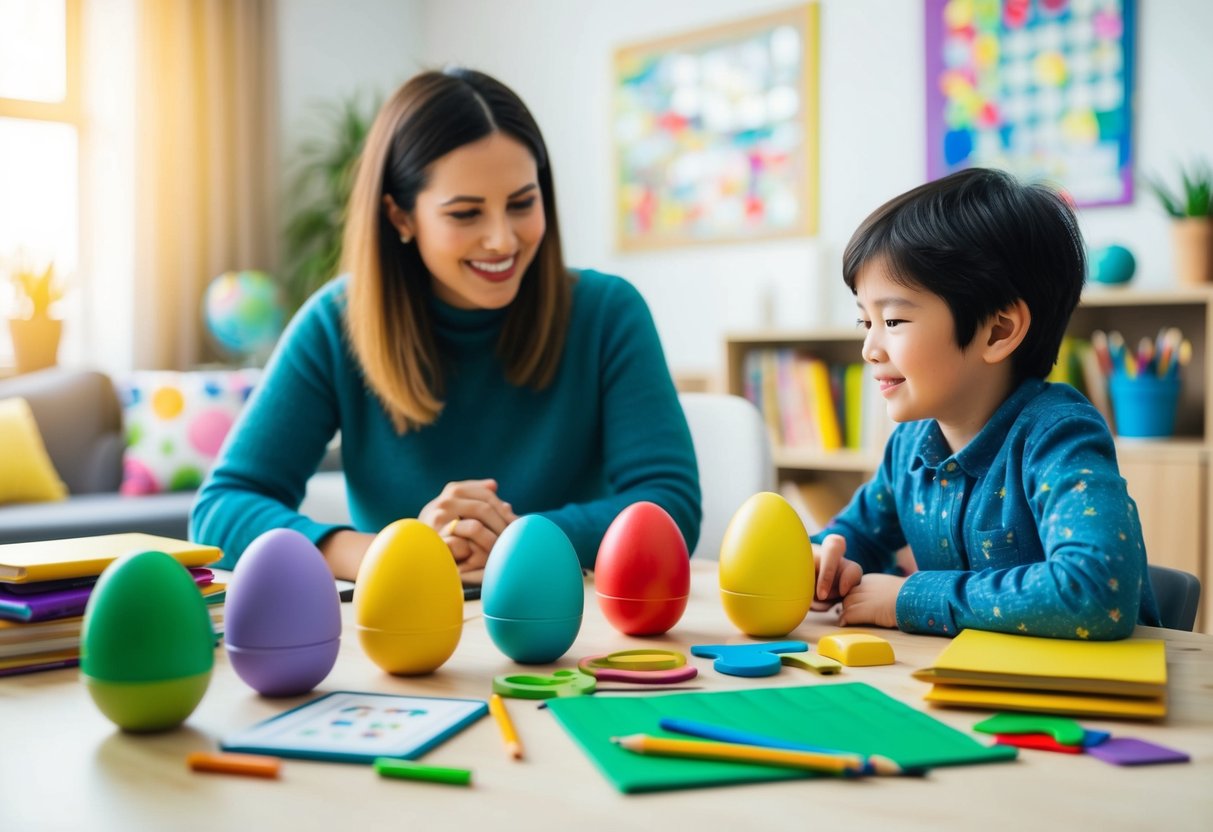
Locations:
(981, 240)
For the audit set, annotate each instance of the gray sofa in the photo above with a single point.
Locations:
(80, 419)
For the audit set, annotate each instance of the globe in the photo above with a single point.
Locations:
(244, 312)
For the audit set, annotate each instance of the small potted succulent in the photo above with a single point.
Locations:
(35, 333)
(1191, 209)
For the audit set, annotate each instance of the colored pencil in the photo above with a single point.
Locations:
(842, 765)
(508, 735)
(720, 733)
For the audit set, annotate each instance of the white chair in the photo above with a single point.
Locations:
(734, 454)
(325, 500)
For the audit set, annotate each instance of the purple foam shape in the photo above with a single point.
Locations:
(1126, 751)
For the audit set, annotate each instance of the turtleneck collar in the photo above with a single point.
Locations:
(462, 325)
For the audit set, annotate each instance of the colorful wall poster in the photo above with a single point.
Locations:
(1040, 88)
(715, 133)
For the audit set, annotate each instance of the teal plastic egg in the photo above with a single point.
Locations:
(533, 593)
(146, 646)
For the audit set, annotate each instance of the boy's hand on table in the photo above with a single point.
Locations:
(872, 601)
(470, 517)
(836, 576)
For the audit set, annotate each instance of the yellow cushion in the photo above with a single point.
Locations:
(27, 474)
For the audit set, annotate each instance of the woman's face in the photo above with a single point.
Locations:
(478, 222)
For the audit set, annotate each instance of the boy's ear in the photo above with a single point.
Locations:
(1005, 331)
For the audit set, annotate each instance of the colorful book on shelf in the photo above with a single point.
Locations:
(853, 385)
(862, 720)
(82, 556)
(1000, 670)
(769, 393)
(820, 399)
(60, 602)
(792, 421)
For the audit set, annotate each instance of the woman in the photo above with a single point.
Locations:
(472, 376)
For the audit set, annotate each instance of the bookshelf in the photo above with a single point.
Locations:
(1168, 478)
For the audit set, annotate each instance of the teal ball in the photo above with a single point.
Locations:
(1112, 264)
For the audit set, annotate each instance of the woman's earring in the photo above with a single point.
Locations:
(406, 239)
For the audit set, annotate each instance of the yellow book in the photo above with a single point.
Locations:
(80, 557)
(821, 403)
(1048, 702)
(1131, 667)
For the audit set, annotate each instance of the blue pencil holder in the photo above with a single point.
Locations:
(1144, 405)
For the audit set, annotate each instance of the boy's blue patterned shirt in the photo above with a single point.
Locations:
(1027, 529)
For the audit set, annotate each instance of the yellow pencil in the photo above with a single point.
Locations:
(508, 734)
(840, 764)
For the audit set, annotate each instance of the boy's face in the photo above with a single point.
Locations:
(922, 372)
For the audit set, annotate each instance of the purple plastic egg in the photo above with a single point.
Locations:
(282, 615)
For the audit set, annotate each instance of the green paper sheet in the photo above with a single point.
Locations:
(848, 717)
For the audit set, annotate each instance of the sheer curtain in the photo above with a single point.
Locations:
(205, 106)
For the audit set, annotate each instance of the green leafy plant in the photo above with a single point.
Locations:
(37, 290)
(317, 196)
(1194, 198)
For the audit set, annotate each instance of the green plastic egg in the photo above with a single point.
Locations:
(146, 647)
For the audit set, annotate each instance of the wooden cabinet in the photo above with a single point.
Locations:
(1168, 478)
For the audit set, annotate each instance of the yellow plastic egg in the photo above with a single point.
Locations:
(408, 600)
(766, 567)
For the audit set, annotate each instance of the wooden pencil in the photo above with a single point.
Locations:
(845, 765)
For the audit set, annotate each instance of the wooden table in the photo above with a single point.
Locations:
(64, 766)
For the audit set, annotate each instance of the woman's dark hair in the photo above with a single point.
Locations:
(981, 240)
(388, 317)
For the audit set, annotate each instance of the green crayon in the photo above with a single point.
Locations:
(408, 770)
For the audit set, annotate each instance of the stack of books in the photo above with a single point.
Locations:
(1006, 672)
(44, 587)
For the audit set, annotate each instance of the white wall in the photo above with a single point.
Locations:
(328, 51)
(557, 55)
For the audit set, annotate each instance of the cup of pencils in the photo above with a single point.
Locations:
(1144, 385)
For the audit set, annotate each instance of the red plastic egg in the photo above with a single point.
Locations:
(643, 573)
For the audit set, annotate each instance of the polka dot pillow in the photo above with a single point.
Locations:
(175, 424)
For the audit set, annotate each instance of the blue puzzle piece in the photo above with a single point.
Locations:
(751, 660)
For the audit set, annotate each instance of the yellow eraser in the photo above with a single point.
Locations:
(856, 649)
(811, 661)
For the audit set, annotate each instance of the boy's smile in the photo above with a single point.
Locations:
(921, 370)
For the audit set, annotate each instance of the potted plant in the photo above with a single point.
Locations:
(35, 333)
(1191, 208)
(319, 190)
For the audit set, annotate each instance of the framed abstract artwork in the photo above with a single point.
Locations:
(715, 133)
(1040, 88)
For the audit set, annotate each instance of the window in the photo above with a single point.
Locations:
(40, 120)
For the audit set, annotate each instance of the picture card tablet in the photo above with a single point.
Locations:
(351, 727)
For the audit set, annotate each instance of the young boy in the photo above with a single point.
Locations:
(1005, 487)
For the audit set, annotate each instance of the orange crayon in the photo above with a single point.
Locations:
(252, 765)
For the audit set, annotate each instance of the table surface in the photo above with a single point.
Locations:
(64, 766)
